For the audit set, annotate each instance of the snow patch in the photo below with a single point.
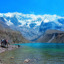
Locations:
(9, 23)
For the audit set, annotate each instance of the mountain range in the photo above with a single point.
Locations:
(32, 26)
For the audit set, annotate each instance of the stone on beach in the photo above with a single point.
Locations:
(26, 60)
(12, 57)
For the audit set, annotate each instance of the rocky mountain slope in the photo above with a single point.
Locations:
(52, 36)
(11, 35)
(32, 26)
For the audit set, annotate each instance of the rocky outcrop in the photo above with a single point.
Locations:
(52, 36)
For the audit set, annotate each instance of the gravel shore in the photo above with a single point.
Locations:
(10, 47)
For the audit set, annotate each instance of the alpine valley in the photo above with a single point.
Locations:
(39, 28)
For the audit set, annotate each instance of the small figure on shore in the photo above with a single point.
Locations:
(4, 43)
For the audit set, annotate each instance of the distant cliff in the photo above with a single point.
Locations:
(52, 36)
(11, 35)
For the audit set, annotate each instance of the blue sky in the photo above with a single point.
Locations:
(33, 6)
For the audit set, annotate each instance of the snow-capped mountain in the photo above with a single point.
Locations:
(32, 26)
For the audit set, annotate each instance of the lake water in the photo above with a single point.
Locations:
(38, 53)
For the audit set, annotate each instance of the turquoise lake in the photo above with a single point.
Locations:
(38, 53)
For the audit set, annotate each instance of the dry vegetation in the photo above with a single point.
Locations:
(12, 36)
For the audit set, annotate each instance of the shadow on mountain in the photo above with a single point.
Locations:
(52, 36)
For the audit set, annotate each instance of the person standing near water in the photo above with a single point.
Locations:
(4, 43)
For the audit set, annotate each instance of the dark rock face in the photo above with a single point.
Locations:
(47, 26)
(59, 38)
(61, 21)
(52, 36)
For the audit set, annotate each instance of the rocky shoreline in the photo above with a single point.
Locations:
(10, 47)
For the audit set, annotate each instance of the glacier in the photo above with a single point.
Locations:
(32, 26)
